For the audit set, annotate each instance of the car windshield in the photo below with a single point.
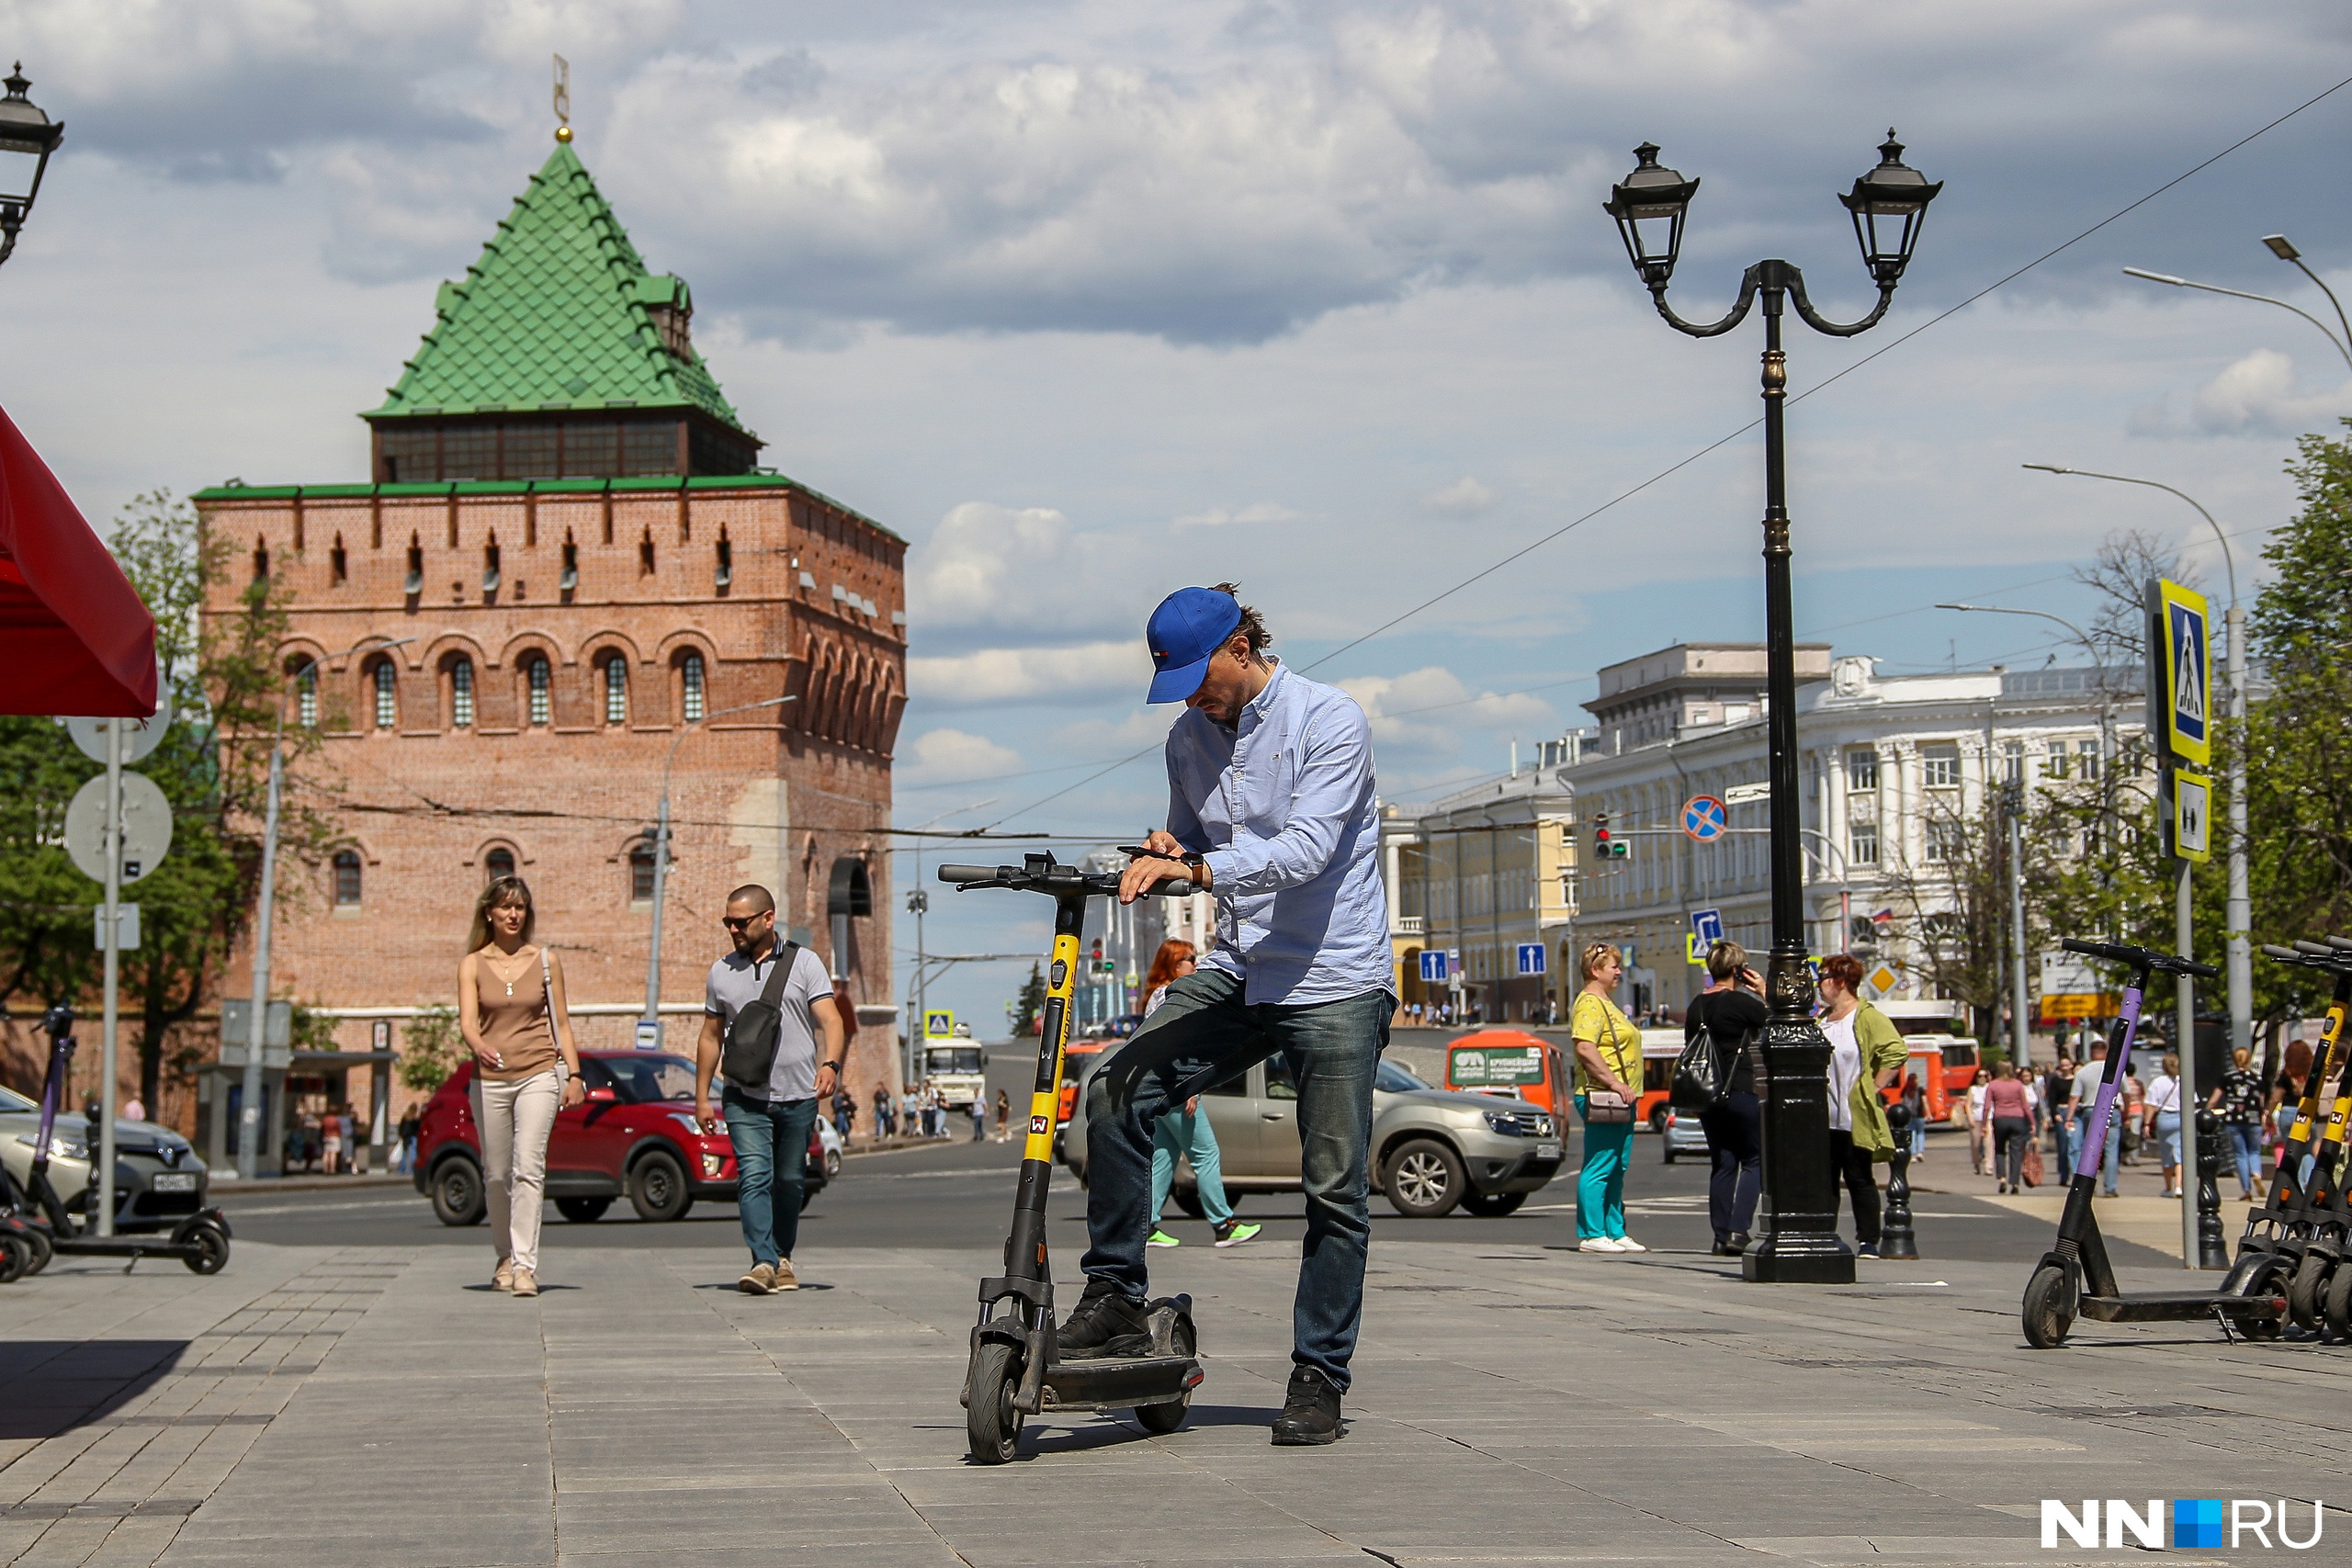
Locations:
(954, 1059)
(11, 1100)
(647, 1079)
(1397, 1080)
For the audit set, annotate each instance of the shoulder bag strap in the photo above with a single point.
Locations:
(547, 991)
(781, 976)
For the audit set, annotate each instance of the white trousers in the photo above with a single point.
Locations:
(514, 1121)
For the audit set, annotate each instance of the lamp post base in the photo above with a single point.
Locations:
(1798, 1258)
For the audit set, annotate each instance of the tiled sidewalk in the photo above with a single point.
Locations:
(1513, 1406)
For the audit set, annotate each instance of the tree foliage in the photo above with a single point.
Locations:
(1030, 1006)
(431, 1047)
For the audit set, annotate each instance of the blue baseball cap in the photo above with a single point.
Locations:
(1189, 624)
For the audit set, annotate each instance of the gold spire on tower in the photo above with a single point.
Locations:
(562, 98)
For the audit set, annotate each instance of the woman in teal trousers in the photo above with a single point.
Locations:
(1608, 1058)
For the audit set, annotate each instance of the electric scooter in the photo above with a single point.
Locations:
(200, 1240)
(2307, 1219)
(1016, 1369)
(2251, 1295)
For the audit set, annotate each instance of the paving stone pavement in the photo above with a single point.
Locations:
(362, 1406)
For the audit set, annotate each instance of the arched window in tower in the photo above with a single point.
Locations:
(306, 697)
(387, 708)
(615, 690)
(535, 677)
(690, 681)
(346, 879)
(499, 863)
(461, 692)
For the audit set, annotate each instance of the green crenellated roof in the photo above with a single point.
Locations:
(555, 314)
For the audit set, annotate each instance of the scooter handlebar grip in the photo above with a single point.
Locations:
(2315, 949)
(973, 873)
(2284, 955)
(2097, 949)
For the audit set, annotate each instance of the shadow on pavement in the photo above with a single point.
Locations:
(55, 1385)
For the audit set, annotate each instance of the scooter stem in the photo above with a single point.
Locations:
(1026, 1253)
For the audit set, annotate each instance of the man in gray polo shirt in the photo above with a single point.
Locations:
(768, 1124)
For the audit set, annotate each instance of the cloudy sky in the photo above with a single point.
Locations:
(1091, 299)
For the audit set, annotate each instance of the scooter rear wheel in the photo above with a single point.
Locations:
(42, 1249)
(991, 1422)
(1161, 1419)
(2335, 1305)
(2049, 1312)
(2304, 1294)
(15, 1261)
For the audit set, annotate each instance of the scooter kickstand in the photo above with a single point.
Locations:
(2224, 1319)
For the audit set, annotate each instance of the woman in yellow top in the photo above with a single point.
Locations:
(1866, 1054)
(1608, 1058)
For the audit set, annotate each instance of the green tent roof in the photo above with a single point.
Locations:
(555, 314)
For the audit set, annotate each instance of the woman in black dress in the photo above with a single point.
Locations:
(1731, 1012)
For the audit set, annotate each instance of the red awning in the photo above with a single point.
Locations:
(74, 636)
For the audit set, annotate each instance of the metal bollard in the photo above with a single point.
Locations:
(1896, 1238)
(2212, 1251)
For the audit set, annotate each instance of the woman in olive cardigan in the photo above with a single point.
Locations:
(1866, 1054)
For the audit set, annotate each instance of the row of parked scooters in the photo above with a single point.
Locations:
(36, 1224)
(2290, 1265)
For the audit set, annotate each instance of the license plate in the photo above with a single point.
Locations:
(173, 1181)
(1547, 1151)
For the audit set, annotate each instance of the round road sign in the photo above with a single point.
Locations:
(146, 827)
(1704, 819)
(140, 736)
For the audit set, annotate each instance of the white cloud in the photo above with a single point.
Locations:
(1021, 675)
(1463, 498)
(1430, 711)
(945, 756)
(995, 569)
(2258, 396)
(1257, 511)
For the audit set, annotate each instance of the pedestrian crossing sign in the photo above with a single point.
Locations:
(2188, 671)
(938, 1024)
(2192, 816)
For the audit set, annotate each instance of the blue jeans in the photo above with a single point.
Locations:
(2079, 1134)
(1189, 1134)
(2169, 1137)
(770, 1139)
(1601, 1183)
(2246, 1143)
(1333, 1049)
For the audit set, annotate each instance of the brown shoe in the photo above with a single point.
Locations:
(786, 1280)
(757, 1280)
(502, 1277)
(526, 1283)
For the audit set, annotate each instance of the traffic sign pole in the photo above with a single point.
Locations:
(249, 1114)
(113, 959)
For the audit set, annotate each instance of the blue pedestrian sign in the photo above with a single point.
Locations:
(1530, 958)
(2188, 672)
(1433, 965)
(1704, 819)
(1707, 926)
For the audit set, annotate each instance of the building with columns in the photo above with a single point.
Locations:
(565, 584)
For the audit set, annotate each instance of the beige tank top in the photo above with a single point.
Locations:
(514, 1020)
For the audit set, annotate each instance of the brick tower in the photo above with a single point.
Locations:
(566, 534)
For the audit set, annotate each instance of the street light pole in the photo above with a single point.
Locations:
(258, 1024)
(1887, 205)
(650, 1024)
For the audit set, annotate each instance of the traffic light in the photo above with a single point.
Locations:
(1604, 846)
(1096, 963)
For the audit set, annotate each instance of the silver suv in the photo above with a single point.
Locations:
(1431, 1149)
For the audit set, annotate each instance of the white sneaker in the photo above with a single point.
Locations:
(1598, 1244)
(1627, 1244)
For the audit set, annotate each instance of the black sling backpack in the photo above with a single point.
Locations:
(748, 1057)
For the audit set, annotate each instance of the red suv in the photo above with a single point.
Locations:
(634, 1134)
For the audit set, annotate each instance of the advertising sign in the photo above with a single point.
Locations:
(1494, 1066)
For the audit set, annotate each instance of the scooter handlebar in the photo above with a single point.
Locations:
(2141, 957)
(975, 873)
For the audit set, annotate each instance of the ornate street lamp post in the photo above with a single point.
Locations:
(1887, 205)
(27, 136)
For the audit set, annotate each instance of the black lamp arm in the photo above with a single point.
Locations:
(1821, 323)
(1748, 284)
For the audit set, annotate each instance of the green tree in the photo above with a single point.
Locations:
(1031, 1004)
(431, 1047)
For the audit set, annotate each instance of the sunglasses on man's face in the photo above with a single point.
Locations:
(737, 923)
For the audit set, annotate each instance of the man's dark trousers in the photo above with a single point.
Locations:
(1333, 1049)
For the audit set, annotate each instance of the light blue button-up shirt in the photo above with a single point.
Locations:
(1286, 812)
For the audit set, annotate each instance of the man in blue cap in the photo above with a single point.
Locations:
(1273, 808)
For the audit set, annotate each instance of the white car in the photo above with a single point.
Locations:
(831, 1138)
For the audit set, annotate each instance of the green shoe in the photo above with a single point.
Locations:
(1233, 1233)
(1160, 1238)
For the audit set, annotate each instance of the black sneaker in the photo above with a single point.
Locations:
(1106, 1322)
(1310, 1411)
(1867, 1249)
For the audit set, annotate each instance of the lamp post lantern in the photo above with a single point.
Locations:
(1887, 205)
(28, 137)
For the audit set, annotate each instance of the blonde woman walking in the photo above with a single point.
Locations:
(526, 1068)
(1609, 1063)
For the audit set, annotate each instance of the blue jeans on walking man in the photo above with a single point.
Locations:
(1333, 1051)
(2079, 1134)
(770, 1139)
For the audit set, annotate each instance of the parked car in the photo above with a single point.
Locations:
(1432, 1149)
(634, 1135)
(831, 1138)
(159, 1180)
(1682, 1134)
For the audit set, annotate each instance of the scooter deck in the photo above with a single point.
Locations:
(1118, 1381)
(2181, 1306)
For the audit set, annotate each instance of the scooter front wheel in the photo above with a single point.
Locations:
(211, 1254)
(2336, 1306)
(2303, 1293)
(2049, 1312)
(37, 1239)
(16, 1259)
(991, 1422)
